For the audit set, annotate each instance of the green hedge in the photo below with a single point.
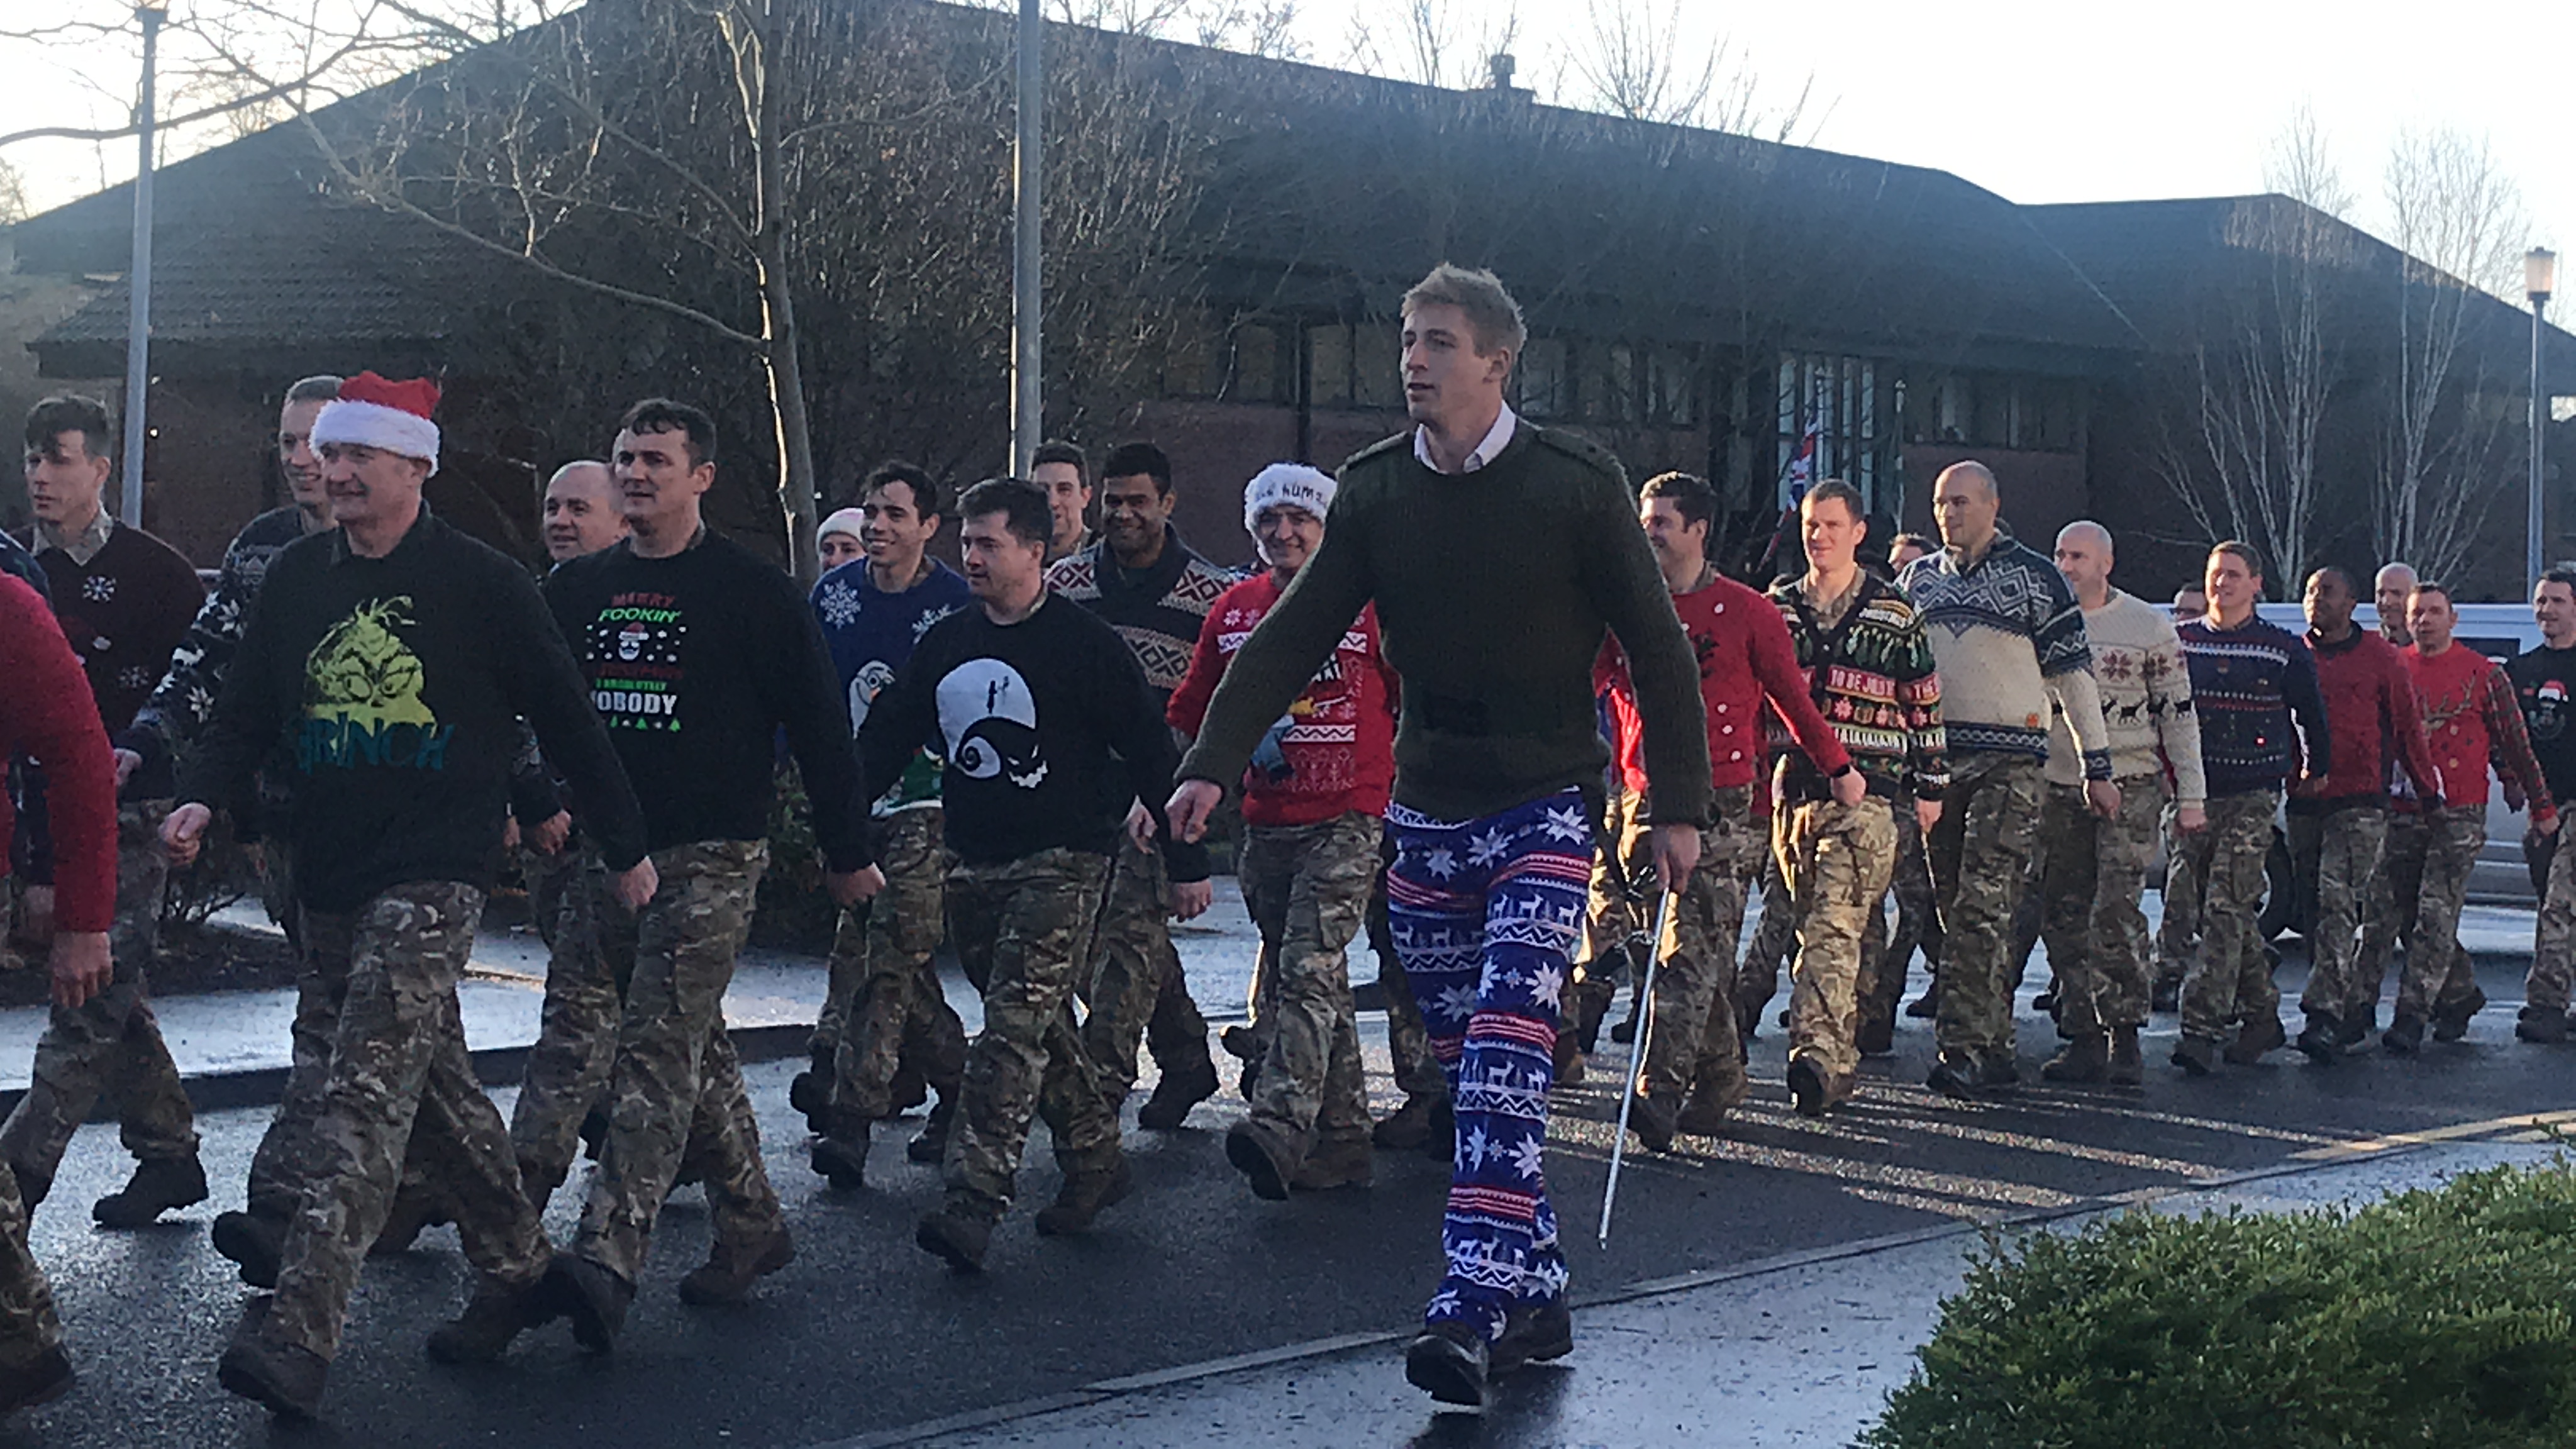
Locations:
(2433, 1318)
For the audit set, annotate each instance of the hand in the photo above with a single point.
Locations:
(509, 833)
(183, 832)
(1850, 788)
(2307, 787)
(1193, 801)
(1190, 901)
(127, 762)
(2191, 819)
(2545, 824)
(634, 886)
(2514, 799)
(1927, 813)
(1676, 855)
(1140, 825)
(81, 967)
(2103, 796)
(851, 887)
(551, 833)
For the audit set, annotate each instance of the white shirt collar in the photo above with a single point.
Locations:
(82, 546)
(1497, 438)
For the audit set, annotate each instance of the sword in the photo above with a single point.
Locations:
(1636, 1060)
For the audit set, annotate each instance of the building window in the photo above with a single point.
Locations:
(1256, 376)
(1828, 423)
(1672, 388)
(1377, 356)
(1328, 365)
(1547, 379)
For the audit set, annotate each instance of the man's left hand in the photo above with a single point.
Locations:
(850, 887)
(1850, 788)
(1190, 900)
(1676, 855)
(2103, 796)
(81, 967)
(1140, 825)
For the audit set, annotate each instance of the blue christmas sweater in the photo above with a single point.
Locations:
(871, 634)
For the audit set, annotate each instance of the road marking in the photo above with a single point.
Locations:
(2493, 1126)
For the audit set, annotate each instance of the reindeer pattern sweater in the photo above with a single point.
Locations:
(2146, 700)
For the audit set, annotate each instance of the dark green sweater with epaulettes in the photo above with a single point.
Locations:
(1493, 590)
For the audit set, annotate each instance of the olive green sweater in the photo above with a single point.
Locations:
(1493, 591)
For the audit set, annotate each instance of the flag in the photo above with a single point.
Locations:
(1801, 473)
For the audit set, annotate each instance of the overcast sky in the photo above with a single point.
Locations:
(2037, 101)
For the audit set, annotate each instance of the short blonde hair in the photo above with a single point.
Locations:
(1492, 316)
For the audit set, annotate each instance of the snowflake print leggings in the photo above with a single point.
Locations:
(1485, 915)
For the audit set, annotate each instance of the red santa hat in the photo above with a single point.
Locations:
(376, 412)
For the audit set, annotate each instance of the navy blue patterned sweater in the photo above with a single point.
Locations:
(2262, 718)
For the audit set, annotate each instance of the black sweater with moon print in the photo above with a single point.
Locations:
(1049, 730)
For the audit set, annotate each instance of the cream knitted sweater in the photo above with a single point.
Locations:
(2146, 700)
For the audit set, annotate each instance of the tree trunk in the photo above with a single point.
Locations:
(755, 44)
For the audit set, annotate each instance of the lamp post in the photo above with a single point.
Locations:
(2539, 279)
(138, 316)
(1027, 352)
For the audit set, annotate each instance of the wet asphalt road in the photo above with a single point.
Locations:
(864, 1334)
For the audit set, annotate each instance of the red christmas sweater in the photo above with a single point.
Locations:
(1745, 656)
(1340, 740)
(46, 714)
(2471, 717)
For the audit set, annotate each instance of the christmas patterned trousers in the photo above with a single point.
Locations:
(1486, 913)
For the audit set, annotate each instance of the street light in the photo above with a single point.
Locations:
(2539, 279)
(138, 314)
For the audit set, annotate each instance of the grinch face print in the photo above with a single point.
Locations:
(362, 696)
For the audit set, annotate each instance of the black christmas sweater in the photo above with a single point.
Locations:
(394, 687)
(696, 662)
(1050, 732)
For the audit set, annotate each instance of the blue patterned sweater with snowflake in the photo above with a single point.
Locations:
(1159, 610)
(871, 634)
(2262, 717)
(2009, 641)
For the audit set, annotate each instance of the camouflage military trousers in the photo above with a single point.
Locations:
(2349, 844)
(29, 1327)
(591, 956)
(2232, 980)
(112, 1043)
(1836, 860)
(1408, 1040)
(1980, 853)
(2429, 858)
(1620, 893)
(676, 1094)
(400, 1081)
(1307, 888)
(1024, 933)
(885, 1008)
(1887, 956)
(1692, 1043)
(2094, 872)
(2178, 932)
(2553, 937)
(1135, 989)
(1775, 935)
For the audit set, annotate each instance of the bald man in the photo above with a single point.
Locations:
(2094, 868)
(2010, 643)
(581, 510)
(2389, 590)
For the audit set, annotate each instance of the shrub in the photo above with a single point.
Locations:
(2433, 1318)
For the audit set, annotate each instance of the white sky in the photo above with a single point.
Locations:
(2037, 101)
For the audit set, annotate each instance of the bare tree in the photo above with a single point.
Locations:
(1429, 44)
(2300, 165)
(1635, 63)
(13, 195)
(2457, 222)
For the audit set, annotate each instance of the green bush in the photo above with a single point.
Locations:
(2433, 1318)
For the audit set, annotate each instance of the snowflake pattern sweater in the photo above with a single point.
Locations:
(2146, 700)
(178, 708)
(2010, 644)
(2262, 720)
(871, 633)
(1337, 747)
(124, 611)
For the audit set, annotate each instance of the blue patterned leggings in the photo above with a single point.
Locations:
(1485, 914)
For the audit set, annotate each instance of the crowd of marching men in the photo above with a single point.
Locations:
(1483, 704)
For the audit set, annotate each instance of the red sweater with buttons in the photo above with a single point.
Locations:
(1339, 740)
(2374, 721)
(2471, 718)
(46, 713)
(1745, 657)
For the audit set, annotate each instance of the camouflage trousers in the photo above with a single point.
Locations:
(1024, 932)
(2553, 937)
(1135, 990)
(1775, 935)
(400, 1081)
(1692, 1042)
(111, 1044)
(2094, 872)
(1887, 956)
(2232, 979)
(2429, 857)
(1618, 898)
(2178, 933)
(677, 1099)
(2350, 847)
(591, 956)
(29, 1326)
(1836, 860)
(1980, 855)
(1307, 888)
(1408, 1040)
(885, 1008)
